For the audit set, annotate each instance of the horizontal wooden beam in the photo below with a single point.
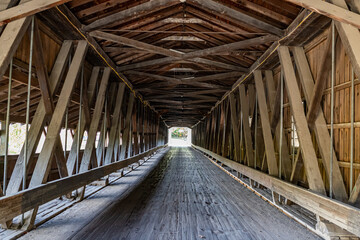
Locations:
(341, 214)
(14, 205)
(221, 9)
(138, 10)
(330, 10)
(26, 9)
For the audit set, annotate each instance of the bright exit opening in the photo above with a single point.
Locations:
(180, 137)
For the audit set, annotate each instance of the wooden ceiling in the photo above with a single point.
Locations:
(183, 55)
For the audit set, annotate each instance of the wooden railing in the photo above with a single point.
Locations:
(23, 201)
(341, 214)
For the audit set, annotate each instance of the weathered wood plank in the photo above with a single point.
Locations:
(84, 124)
(246, 127)
(307, 149)
(265, 122)
(219, 8)
(234, 124)
(320, 127)
(286, 161)
(129, 13)
(94, 126)
(343, 215)
(10, 40)
(126, 132)
(43, 164)
(18, 203)
(28, 8)
(39, 118)
(330, 10)
(115, 124)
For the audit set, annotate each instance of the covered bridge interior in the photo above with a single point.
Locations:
(269, 88)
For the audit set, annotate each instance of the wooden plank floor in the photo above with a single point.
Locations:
(188, 197)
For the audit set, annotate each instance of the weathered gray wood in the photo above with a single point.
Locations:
(43, 80)
(39, 118)
(129, 13)
(10, 40)
(219, 8)
(343, 215)
(94, 126)
(330, 10)
(320, 83)
(320, 127)
(246, 127)
(286, 161)
(126, 132)
(115, 124)
(234, 124)
(43, 164)
(27, 8)
(18, 203)
(307, 149)
(265, 122)
(84, 124)
(42, 167)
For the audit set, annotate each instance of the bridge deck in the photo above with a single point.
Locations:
(188, 197)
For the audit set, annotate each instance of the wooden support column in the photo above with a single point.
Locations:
(307, 148)
(115, 123)
(246, 127)
(320, 127)
(227, 133)
(94, 126)
(265, 122)
(286, 161)
(43, 80)
(221, 128)
(235, 127)
(42, 167)
(39, 119)
(43, 164)
(141, 127)
(84, 124)
(127, 127)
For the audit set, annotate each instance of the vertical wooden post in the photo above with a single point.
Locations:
(126, 134)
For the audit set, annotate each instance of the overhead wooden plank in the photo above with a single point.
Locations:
(27, 8)
(231, 46)
(18, 203)
(286, 161)
(128, 13)
(126, 132)
(115, 124)
(84, 124)
(135, 44)
(94, 126)
(176, 54)
(265, 122)
(219, 8)
(307, 149)
(39, 118)
(341, 214)
(246, 127)
(330, 10)
(320, 126)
